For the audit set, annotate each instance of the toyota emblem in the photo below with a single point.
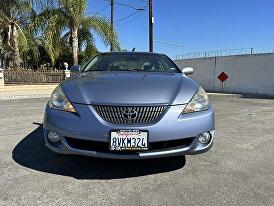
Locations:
(129, 114)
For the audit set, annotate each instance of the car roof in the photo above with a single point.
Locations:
(130, 52)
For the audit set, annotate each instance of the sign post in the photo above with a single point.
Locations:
(223, 77)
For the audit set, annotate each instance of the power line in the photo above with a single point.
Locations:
(129, 19)
(100, 11)
(142, 26)
(168, 43)
(175, 26)
(124, 4)
(145, 9)
(127, 16)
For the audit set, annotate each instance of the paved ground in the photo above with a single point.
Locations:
(238, 170)
(26, 91)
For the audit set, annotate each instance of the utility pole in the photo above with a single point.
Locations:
(111, 21)
(150, 22)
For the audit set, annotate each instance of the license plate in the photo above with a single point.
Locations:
(130, 140)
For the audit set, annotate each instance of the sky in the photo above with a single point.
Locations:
(194, 25)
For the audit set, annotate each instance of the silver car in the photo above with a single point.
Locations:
(129, 105)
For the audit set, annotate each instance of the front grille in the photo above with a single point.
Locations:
(90, 145)
(129, 114)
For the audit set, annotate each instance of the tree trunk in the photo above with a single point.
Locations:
(1, 49)
(74, 37)
(1, 42)
(14, 46)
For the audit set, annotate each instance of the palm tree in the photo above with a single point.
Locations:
(14, 16)
(69, 17)
(86, 44)
(1, 48)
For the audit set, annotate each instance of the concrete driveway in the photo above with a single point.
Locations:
(238, 170)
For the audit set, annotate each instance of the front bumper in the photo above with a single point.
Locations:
(87, 125)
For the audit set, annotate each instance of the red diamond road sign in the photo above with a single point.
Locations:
(222, 77)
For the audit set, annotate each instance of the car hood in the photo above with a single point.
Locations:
(129, 88)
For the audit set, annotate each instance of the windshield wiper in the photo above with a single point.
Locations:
(94, 70)
(133, 70)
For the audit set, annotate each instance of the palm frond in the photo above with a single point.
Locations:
(85, 37)
(103, 28)
(52, 38)
(43, 17)
(23, 42)
(4, 19)
(74, 8)
(30, 45)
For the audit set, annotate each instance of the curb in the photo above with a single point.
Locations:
(10, 97)
(224, 95)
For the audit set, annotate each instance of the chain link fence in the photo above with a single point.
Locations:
(33, 77)
(227, 52)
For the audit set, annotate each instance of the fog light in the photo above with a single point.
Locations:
(53, 137)
(204, 138)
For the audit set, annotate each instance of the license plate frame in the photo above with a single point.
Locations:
(128, 131)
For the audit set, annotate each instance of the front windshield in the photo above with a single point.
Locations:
(131, 62)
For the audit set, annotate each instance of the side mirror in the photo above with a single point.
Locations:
(187, 70)
(75, 68)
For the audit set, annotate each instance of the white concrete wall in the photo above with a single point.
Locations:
(247, 74)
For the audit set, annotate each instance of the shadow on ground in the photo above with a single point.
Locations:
(30, 152)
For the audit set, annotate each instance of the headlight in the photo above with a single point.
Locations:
(199, 102)
(58, 100)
